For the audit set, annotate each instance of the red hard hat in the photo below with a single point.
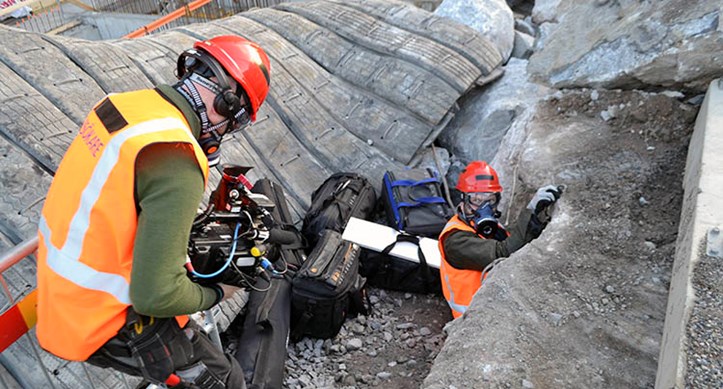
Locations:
(478, 176)
(245, 61)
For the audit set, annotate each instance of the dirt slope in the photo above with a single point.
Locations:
(583, 305)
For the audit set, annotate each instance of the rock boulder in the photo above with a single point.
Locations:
(671, 44)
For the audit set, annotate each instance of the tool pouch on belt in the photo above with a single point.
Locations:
(159, 346)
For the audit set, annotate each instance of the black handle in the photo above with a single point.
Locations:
(282, 237)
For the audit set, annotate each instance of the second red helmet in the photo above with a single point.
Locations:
(478, 176)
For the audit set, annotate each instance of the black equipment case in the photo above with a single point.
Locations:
(413, 202)
(340, 197)
(327, 289)
(388, 272)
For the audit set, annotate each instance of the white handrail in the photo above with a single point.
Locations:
(17, 253)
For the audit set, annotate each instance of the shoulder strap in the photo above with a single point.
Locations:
(423, 181)
(404, 237)
(359, 302)
(422, 201)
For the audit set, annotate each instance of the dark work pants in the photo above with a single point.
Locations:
(164, 349)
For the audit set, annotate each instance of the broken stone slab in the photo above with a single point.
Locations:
(436, 159)
(492, 18)
(525, 26)
(523, 45)
(628, 44)
(487, 115)
(549, 11)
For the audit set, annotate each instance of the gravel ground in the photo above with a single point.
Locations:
(392, 347)
(705, 349)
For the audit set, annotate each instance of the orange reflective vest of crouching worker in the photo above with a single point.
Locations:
(458, 285)
(89, 220)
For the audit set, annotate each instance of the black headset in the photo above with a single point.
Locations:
(226, 103)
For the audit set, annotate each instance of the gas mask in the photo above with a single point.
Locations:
(211, 145)
(233, 122)
(484, 220)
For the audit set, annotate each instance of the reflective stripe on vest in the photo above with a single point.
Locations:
(64, 261)
(450, 301)
(82, 274)
(108, 160)
(88, 224)
(458, 286)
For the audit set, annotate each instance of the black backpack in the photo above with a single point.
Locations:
(413, 202)
(340, 197)
(327, 289)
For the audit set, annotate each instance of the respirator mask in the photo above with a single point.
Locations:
(196, 68)
(211, 144)
(484, 218)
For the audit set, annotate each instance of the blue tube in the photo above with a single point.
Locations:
(228, 261)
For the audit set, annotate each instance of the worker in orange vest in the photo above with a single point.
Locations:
(113, 234)
(474, 238)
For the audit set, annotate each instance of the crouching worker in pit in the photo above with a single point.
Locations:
(474, 238)
(114, 230)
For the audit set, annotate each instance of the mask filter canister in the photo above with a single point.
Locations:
(484, 221)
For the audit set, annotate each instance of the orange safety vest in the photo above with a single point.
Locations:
(458, 286)
(89, 220)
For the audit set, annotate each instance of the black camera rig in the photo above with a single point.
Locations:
(228, 240)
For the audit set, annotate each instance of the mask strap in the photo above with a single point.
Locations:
(194, 98)
(461, 213)
(206, 83)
